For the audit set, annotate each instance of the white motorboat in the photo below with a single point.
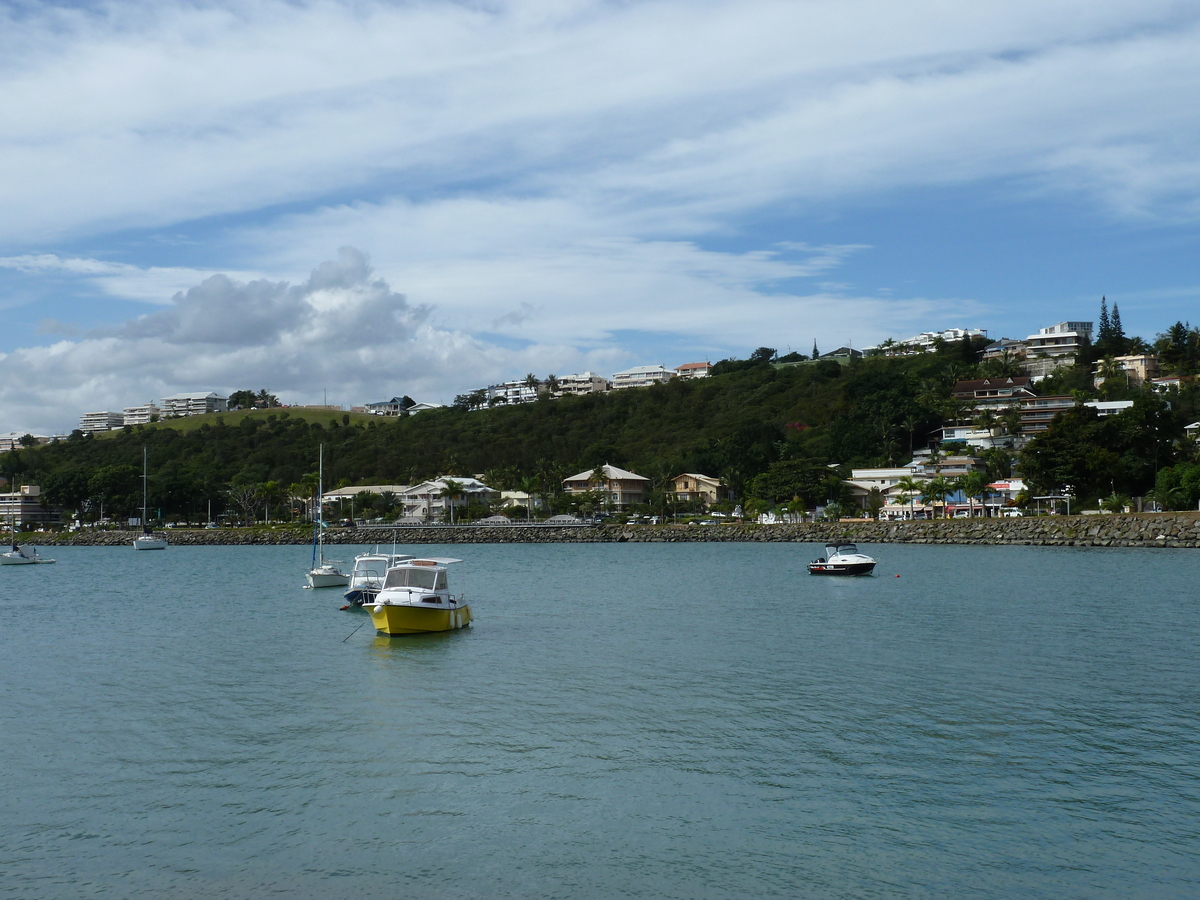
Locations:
(147, 540)
(416, 599)
(324, 572)
(23, 556)
(366, 578)
(842, 558)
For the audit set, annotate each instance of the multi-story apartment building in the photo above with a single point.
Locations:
(1138, 369)
(925, 341)
(1038, 412)
(620, 487)
(582, 383)
(514, 392)
(641, 376)
(142, 415)
(196, 403)
(24, 508)
(994, 393)
(690, 486)
(105, 420)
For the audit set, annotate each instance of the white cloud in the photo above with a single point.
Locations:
(342, 329)
(145, 114)
(548, 174)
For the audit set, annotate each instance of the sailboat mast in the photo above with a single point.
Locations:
(145, 484)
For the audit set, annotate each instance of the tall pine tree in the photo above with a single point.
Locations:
(815, 353)
(1118, 332)
(1105, 323)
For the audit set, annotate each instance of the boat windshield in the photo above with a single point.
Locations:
(842, 548)
(427, 579)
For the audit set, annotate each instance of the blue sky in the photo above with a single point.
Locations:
(423, 197)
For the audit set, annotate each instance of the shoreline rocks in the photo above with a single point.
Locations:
(1167, 530)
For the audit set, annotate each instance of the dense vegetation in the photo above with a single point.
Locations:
(776, 432)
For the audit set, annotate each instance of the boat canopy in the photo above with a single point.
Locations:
(840, 547)
(408, 576)
(432, 561)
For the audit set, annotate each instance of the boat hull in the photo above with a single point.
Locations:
(148, 543)
(864, 568)
(327, 579)
(405, 619)
(11, 560)
(361, 596)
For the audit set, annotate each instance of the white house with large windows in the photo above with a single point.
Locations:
(514, 392)
(142, 415)
(582, 383)
(426, 501)
(104, 420)
(196, 403)
(641, 376)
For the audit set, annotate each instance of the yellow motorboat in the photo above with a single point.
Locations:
(416, 599)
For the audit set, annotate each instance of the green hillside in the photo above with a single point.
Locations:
(771, 431)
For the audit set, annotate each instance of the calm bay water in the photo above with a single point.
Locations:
(633, 720)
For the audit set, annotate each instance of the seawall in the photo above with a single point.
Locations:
(1174, 530)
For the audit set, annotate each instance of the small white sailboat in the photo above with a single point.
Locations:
(148, 540)
(21, 555)
(324, 573)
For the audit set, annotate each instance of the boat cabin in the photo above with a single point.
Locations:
(414, 577)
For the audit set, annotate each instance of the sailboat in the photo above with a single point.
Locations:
(147, 541)
(324, 573)
(21, 555)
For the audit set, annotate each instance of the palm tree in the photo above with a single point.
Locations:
(935, 491)
(532, 382)
(450, 492)
(973, 484)
(552, 383)
(531, 485)
(911, 488)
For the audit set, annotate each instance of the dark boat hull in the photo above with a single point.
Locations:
(361, 596)
(840, 568)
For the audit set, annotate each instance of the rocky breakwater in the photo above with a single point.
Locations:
(1176, 530)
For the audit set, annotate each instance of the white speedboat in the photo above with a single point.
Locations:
(842, 558)
(416, 599)
(366, 578)
(23, 556)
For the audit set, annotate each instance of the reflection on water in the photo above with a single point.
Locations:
(641, 720)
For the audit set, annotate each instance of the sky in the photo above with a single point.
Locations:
(358, 200)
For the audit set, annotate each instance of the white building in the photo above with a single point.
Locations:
(12, 440)
(24, 507)
(641, 376)
(196, 403)
(106, 420)
(393, 407)
(926, 341)
(422, 407)
(425, 502)
(693, 370)
(1060, 339)
(513, 392)
(1106, 408)
(142, 415)
(583, 383)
